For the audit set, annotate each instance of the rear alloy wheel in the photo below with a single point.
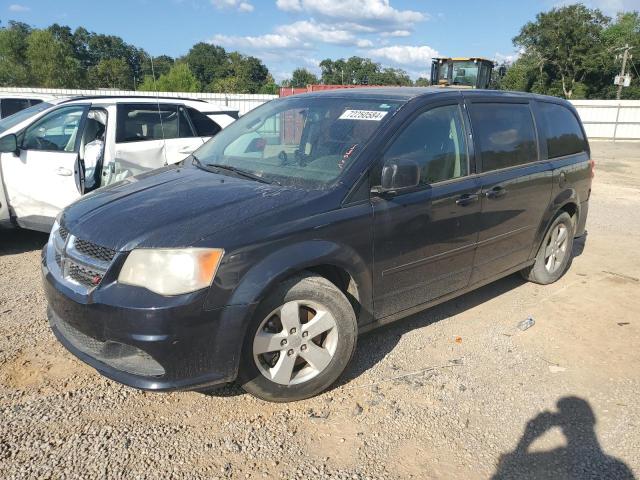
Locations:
(556, 248)
(302, 339)
(555, 253)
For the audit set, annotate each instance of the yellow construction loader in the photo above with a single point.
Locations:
(465, 72)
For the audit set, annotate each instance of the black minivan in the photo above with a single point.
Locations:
(311, 219)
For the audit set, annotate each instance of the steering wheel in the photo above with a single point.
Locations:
(44, 144)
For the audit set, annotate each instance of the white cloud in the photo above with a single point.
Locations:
(375, 11)
(239, 5)
(289, 5)
(305, 34)
(17, 8)
(507, 58)
(261, 42)
(397, 33)
(409, 55)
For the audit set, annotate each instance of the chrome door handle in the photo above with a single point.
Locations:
(467, 199)
(496, 192)
(63, 172)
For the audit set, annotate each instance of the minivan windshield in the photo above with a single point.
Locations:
(18, 117)
(297, 141)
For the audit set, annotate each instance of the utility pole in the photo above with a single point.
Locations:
(624, 66)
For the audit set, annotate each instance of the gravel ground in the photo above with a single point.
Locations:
(455, 392)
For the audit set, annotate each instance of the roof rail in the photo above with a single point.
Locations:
(92, 97)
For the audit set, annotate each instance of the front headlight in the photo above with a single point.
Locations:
(171, 271)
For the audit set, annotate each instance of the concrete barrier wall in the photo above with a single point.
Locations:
(603, 119)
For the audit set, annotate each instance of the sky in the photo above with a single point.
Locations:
(286, 34)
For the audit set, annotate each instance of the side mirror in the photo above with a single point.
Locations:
(9, 144)
(398, 175)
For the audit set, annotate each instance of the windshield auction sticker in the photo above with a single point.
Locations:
(372, 115)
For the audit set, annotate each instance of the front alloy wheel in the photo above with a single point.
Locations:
(302, 339)
(295, 342)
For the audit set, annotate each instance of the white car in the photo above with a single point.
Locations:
(56, 151)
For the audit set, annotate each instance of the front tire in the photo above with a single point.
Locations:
(555, 253)
(302, 337)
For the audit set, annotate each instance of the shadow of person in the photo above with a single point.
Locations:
(582, 458)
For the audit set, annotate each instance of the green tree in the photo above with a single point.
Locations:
(51, 62)
(391, 76)
(244, 75)
(361, 71)
(111, 73)
(624, 31)
(269, 87)
(228, 85)
(207, 62)
(13, 54)
(422, 82)
(566, 43)
(178, 79)
(301, 77)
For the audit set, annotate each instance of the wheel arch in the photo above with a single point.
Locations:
(338, 263)
(565, 201)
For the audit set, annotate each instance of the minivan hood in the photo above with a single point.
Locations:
(172, 207)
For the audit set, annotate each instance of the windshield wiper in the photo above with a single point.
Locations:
(237, 171)
(241, 172)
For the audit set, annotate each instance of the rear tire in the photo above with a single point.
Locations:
(555, 253)
(301, 339)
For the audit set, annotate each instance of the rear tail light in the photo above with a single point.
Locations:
(592, 167)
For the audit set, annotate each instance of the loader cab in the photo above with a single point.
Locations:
(466, 72)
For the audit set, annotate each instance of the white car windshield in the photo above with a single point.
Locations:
(18, 117)
(298, 141)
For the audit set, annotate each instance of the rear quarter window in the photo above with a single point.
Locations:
(562, 130)
(205, 127)
(505, 134)
(9, 106)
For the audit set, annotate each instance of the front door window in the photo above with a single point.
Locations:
(57, 131)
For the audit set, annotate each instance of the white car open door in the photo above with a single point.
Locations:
(45, 176)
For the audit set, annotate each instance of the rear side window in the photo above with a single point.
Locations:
(205, 127)
(562, 130)
(150, 121)
(9, 106)
(505, 134)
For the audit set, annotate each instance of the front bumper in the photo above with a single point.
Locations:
(145, 340)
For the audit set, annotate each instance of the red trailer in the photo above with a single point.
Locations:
(287, 91)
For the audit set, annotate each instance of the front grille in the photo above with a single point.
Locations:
(84, 276)
(63, 232)
(80, 263)
(120, 356)
(95, 251)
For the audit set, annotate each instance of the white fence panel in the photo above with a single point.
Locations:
(237, 101)
(610, 119)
